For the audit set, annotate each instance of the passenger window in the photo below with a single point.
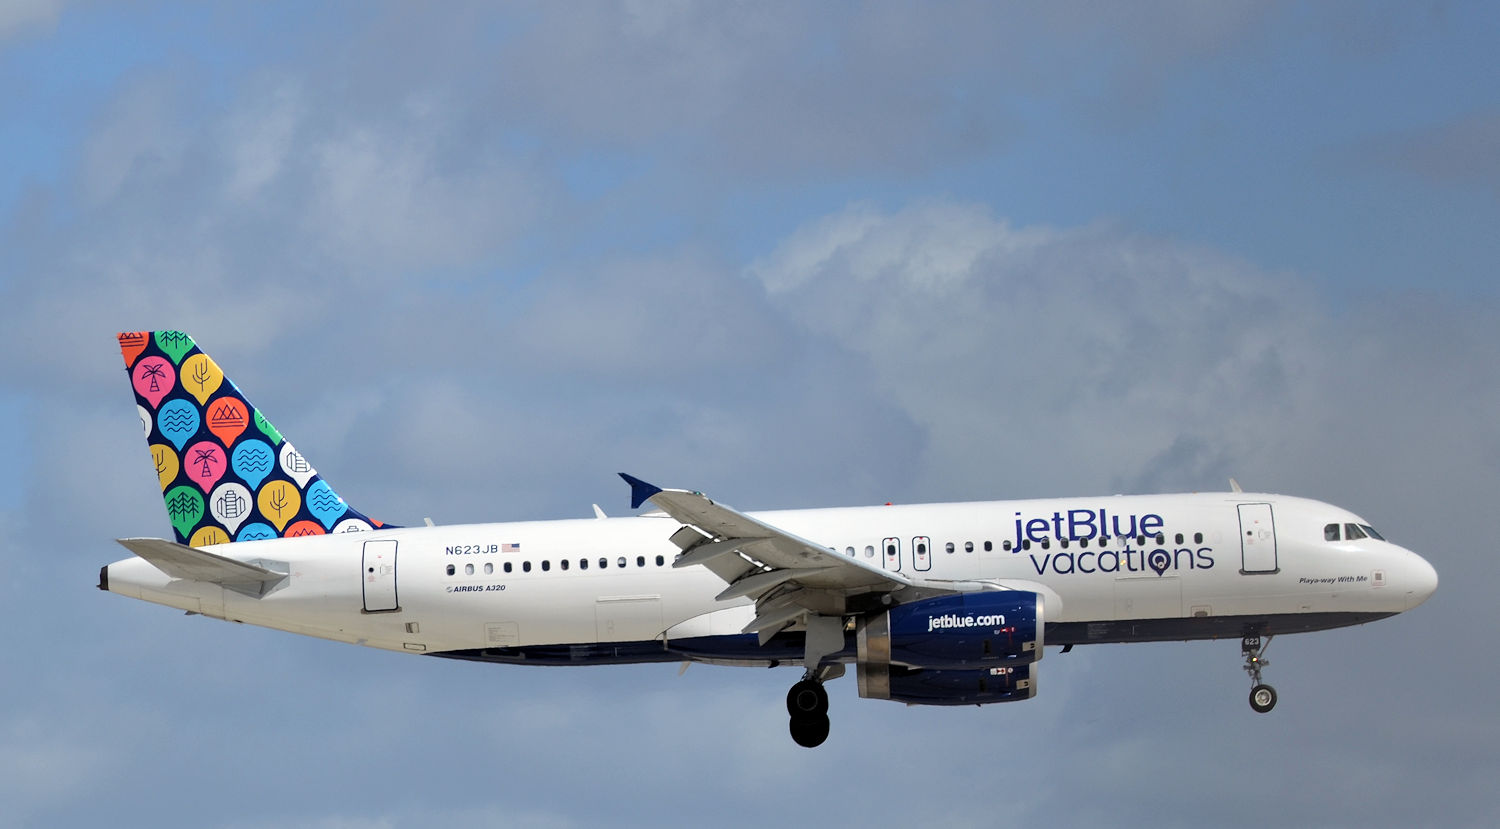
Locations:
(1064, 543)
(849, 551)
(452, 570)
(488, 568)
(869, 551)
(507, 567)
(640, 561)
(1352, 533)
(1046, 544)
(968, 546)
(1331, 532)
(1161, 538)
(949, 547)
(468, 569)
(1083, 542)
(660, 561)
(563, 564)
(1026, 544)
(988, 547)
(620, 562)
(1004, 545)
(1179, 538)
(1197, 538)
(526, 567)
(583, 564)
(546, 565)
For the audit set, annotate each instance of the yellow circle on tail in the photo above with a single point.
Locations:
(279, 502)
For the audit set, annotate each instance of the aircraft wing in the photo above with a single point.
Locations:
(788, 576)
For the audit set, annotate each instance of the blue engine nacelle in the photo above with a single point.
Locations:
(968, 648)
(915, 686)
(959, 632)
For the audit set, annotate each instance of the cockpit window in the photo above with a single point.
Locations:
(1352, 532)
(1331, 532)
(1370, 531)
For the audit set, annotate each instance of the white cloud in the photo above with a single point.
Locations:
(18, 16)
(259, 136)
(994, 336)
(141, 138)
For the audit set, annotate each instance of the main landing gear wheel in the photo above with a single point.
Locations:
(811, 730)
(807, 698)
(807, 702)
(1262, 696)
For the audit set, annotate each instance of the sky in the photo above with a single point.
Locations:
(479, 258)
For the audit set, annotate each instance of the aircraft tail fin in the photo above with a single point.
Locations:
(226, 473)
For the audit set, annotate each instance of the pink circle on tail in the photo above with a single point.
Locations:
(204, 463)
(153, 377)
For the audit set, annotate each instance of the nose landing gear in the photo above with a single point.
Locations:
(1262, 696)
(807, 702)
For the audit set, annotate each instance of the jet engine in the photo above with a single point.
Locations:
(917, 686)
(968, 648)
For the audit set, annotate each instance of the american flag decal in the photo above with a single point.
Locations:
(510, 548)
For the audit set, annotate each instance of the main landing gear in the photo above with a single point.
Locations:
(1262, 696)
(807, 702)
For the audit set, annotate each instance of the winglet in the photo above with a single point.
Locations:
(640, 491)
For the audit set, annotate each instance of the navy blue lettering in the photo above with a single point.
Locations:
(1036, 529)
(1151, 524)
(1079, 520)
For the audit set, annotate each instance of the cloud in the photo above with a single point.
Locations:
(380, 228)
(1462, 152)
(991, 335)
(19, 16)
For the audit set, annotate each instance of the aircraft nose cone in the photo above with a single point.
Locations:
(1422, 581)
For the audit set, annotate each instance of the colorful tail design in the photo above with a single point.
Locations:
(226, 473)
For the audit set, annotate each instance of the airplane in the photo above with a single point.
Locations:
(933, 604)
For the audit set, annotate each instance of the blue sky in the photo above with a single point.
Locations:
(478, 259)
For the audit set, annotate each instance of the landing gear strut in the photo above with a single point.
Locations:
(807, 702)
(1262, 696)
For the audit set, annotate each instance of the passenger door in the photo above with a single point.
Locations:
(1257, 539)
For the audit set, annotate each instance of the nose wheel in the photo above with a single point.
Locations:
(1262, 696)
(807, 703)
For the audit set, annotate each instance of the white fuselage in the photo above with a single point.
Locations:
(1118, 568)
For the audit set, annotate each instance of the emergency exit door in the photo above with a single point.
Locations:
(380, 576)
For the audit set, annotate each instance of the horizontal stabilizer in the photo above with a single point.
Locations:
(183, 562)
